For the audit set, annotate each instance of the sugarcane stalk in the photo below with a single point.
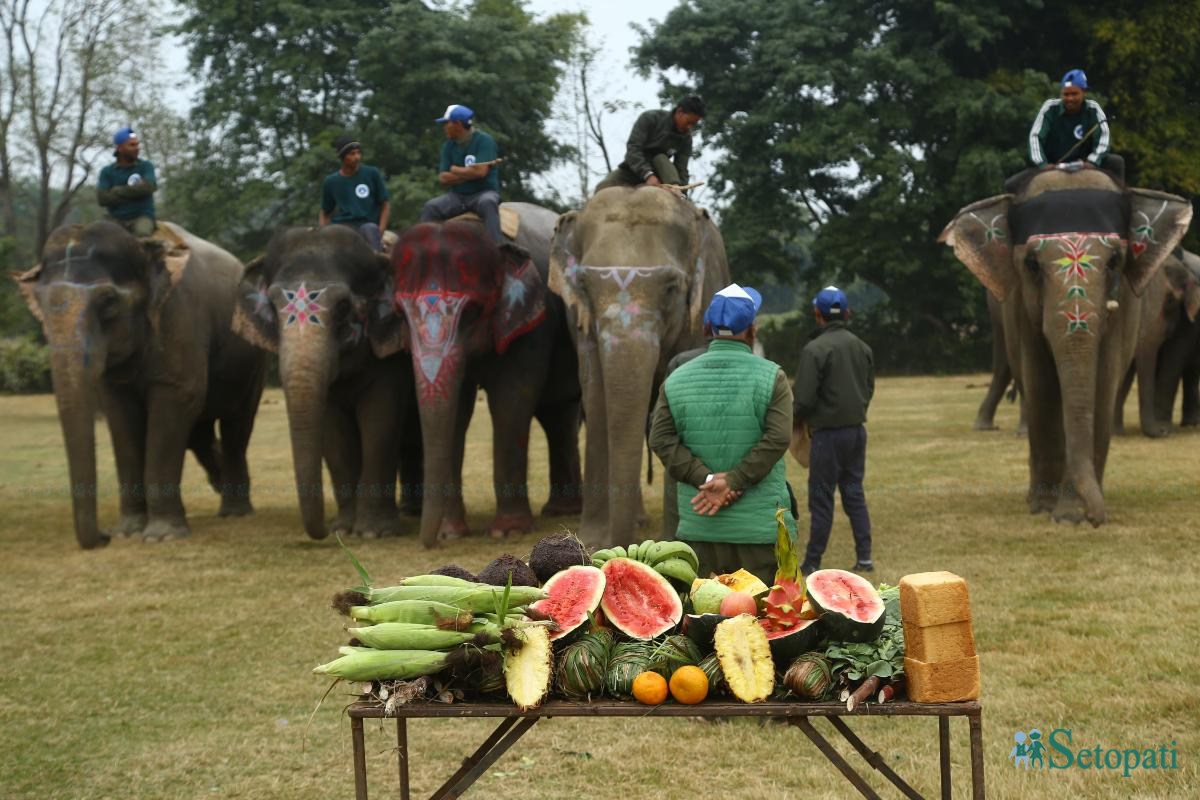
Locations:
(864, 690)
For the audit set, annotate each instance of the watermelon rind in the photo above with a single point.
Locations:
(637, 600)
(701, 627)
(571, 595)
(787, 645)
(850, 607)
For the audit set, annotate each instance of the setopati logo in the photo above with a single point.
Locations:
(1060, 750)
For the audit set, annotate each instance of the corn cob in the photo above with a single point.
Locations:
(402, 636)
(437, 580)
(424, 612)
(474, 597)
(383, 665)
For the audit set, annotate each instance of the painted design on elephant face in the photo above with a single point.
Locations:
(1077, 268)
(627, 318)
(1077, 320)
(992, 233)
(302, 307)
(1144, 233)
(434, 319)
(262, 303)
(1076, 261)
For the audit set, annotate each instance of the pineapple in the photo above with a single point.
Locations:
(745, 657)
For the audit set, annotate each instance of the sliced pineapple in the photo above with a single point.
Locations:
(745, 656)
(528, 665)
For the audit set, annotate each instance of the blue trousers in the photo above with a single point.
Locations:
(486, 204)
(370, 232)
(837, 460)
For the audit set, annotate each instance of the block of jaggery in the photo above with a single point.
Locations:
(942, 681)
(933, 598)
(947, 642)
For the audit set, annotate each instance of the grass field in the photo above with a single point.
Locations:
(181, 670)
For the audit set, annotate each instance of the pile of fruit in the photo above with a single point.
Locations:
(632, 623)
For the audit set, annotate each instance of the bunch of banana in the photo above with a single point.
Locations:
(672, 559)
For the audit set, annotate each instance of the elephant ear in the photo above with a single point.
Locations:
(981, 239)
(521, 306)
(167, 266)
(254, 314)
(25, 282)
(710, 262)
(1183, 286)
(564, 269)
(1157, 223)
(386, 329)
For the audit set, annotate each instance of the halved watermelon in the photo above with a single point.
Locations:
(638, 601)
(850, 607)
(572, 594)
(786, 645)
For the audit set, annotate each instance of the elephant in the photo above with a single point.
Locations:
(140, 329)
(1002, 376)
(321, 299)
(1068, 254)
(1168, 339)
(480, 315)
(636, 268)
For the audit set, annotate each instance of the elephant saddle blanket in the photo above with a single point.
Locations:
(510, 221)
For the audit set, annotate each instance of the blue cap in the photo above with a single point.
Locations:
(456, 113)
(1075, 77)
(732, 310)
(831, 302)
(124, 135)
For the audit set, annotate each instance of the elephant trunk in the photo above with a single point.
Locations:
(306, 369)
(77, 357)
(439, 405)
(628, 370)
(1077, 375)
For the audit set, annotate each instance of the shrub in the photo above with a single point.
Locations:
(24, 367)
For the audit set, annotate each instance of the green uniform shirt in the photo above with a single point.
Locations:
(835, 380)
(1055, 132)
(654, 134)
(127, 191)
(480, 148)
(357, 198)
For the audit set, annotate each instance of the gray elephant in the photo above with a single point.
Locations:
(1002, 376)
(1068, 255)
(1169, 338)
(321, 298)
(636, 268)
(142, 328)
(481, 316)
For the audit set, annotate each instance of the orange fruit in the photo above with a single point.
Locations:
(689, 685)
(650, 688)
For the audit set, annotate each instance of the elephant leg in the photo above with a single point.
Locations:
(1122, 395)
(512, 416)
(561, 426)
(412, 458)
(1147, 362)
(1173, 358)
(1191, 395)
(379, 444)
(985, 419)
(169, 425)
(1047, 443)
(126, 417)
(202, 441)
(343, 456)
(235, 471)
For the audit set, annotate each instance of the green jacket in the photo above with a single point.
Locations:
(1055, 132)
(726, 411)
(654, 134)
(835, 380)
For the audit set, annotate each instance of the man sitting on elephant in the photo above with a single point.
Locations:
(126, 188)
(356, 195)
(468, 170)
(659, 147)
(721, 426)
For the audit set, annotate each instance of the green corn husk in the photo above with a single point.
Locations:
(810, 676)
(474, 597)
(583, 665)
(422, 612)
(674, 652)
(437, 580)
(404, 636)
(628, 660)
(716, 678)
(384, 665)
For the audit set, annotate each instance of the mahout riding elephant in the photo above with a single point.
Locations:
(140, 329)
(1002, 376)
(481, 316)
(1169, 338)
(636, 267)
(1068, 255)
(321, 299)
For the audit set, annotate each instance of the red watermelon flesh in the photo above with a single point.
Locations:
(852, 610)
(572, 594)
(638, 601)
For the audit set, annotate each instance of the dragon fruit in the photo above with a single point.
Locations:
(782, 607)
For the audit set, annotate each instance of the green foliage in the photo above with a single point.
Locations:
(24, 367)
(281, 80)
(884, 657)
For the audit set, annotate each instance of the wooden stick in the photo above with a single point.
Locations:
(864, 690)
(679, 188)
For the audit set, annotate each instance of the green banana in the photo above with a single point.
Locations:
(676, 549)
(600, 556)
(633, 551)
(678, 569)
(619, 552)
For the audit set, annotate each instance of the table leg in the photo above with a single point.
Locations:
(873, 758)
(490, 758)
(944, 753)
(834, 757)
(976, 722)
(402, 755)
(470, 760)
(360, 758)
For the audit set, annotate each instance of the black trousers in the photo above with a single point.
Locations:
(837, 460)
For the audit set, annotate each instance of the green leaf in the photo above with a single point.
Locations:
(363, 575)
